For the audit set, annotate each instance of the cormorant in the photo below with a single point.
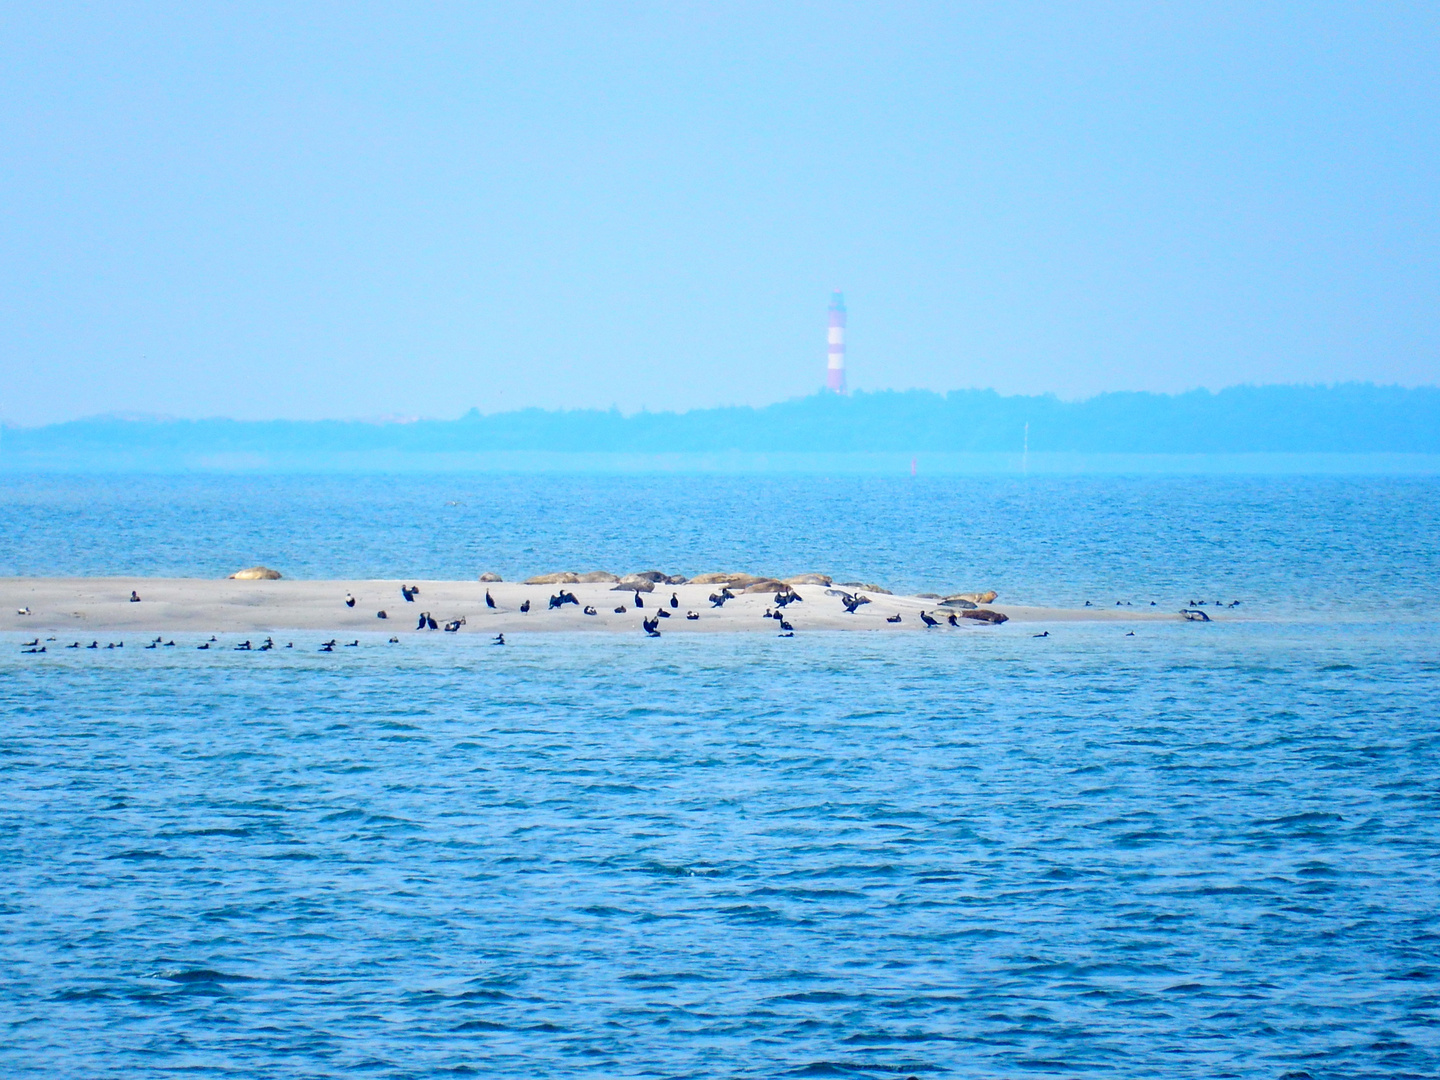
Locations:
(499, 640)
(1045, 634)
(674, 600)
(381, 614)
(408, 593)
(394, 641)
(927, 620)
(952, 620)
(489, 600)
(662, 614)
(134, 597)
(525, 608)
(621, 610)
(785, 626)
(639, 600)
(430, 623)
(894, 618)
(424, 615)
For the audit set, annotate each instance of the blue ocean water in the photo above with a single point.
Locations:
(1205, 850)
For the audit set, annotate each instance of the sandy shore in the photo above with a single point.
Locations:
(82, 605)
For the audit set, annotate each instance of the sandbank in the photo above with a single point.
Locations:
(84, 605)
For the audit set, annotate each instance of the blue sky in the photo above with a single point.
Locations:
(311, 210)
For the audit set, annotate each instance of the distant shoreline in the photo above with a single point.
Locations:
(179, 605)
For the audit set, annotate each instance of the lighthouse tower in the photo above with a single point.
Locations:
(835, 372)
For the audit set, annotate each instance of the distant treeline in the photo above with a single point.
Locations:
(1351, 418)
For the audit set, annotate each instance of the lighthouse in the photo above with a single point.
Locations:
(835, 371)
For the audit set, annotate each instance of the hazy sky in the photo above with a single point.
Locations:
(310, 210)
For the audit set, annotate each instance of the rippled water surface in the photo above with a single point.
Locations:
(1199, 851)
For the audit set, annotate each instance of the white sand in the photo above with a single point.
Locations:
(83, 605)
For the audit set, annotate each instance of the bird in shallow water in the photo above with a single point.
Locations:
(1045, 634)
(39, 650)
(353, 644)
(326, 648)
(27, 644)
(525, 608)
(202, 645)
(349, 600)
(651, 626)
(489, 600)
(244, 646)
(152, 645)
(894, 618)
(1130, 634)
(394, 641)
(927, 620)
(499, 640)
(785, 625)
(76, 645)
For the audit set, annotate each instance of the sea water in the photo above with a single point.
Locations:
(1204, 850)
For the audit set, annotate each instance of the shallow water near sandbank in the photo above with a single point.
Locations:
(1202, 850)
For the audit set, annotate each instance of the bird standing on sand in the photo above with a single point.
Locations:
(651, 626)
(405, 592)
(952, 620)
(927, 620)
(489, 600)
(525, 608)
(381, 614)
(134, 597)
(349, 600)
(639, 600)
(674, 600)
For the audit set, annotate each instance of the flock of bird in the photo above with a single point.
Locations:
(852, 602)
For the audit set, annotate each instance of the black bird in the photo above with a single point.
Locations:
(639, 601)
(353, 644)
(621, 610)
(414, 590)
(424, 615)
(406, 592)
(158, 640)
(489, 600)
(1130, 634)
(394, 641)
(39, 650)
(74, 646)
(952, 620)
(785, 625)
(1152, 602)
(327, 648)
(662, 614)
(430, 623)
(927, 620)
(1045, 634)
(204, 645)
(28, 644)
(331, 643)
(718, 600)
(244, 646)
(674, 600)
(349, 600)
(134, 597)
(213, 638)
(590, 610)
(893, 618)
(651, 626)
(851, 603)
(453, 626)
(1233, 603)
(151, 645)
(499, 640)
(788, 633)
(692, 615)
(168, 645)
(525, 608)
(725, 592)
(381, 614)
(1088, 604)
(556, 601)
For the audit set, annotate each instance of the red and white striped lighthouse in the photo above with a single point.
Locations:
(835, 372)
